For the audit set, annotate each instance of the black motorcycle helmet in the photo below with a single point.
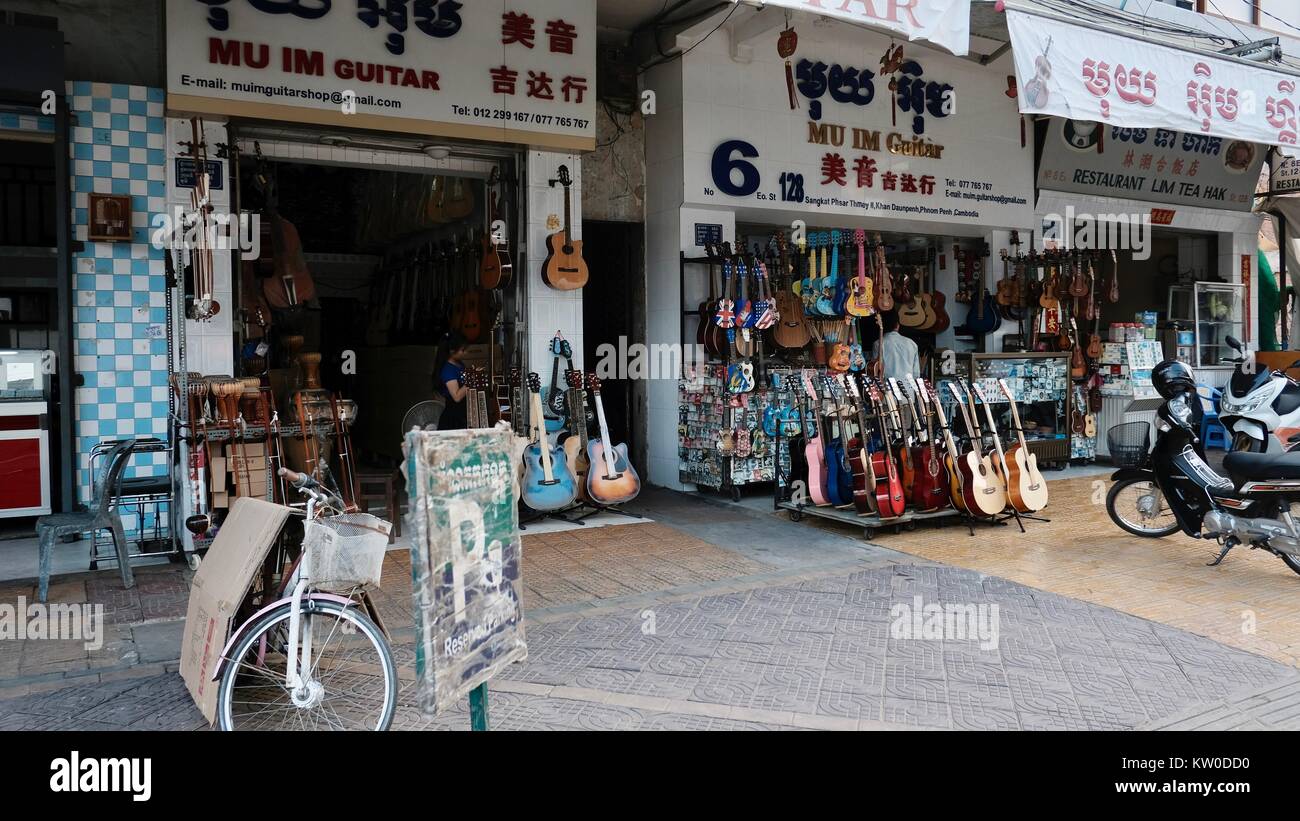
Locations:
(1171, 378)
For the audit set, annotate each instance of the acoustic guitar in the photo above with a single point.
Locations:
(789, 331)
(495, 268)
(1000, 457)
(890, 500)
(547, 483)
(983, 493)
(956, 488)
(812, 452)
(611, 479)
(564, 268)
(575, 440)
(930, 485)
(864, 481)
(1026, 486)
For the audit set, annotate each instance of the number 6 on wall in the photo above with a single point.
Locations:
(724, 166)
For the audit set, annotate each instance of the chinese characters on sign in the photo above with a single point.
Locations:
(1153, 164)
(514, 70)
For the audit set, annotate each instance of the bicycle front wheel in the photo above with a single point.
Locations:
(351, 683)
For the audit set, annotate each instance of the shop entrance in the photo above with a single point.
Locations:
(615, 250)
(365, 271)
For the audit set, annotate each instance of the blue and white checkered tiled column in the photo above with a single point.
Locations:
(119, 331)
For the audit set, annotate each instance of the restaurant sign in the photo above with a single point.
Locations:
(1150, 164)
(521, 71)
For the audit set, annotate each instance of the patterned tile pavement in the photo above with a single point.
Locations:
(1251, 601)
(813, 651)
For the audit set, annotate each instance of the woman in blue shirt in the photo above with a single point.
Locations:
(448, 380)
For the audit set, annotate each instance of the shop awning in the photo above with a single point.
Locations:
(945, 23)
(1084, 71)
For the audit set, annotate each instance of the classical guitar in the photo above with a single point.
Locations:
(984, 495)
(547, 484)
(611, 479)
(1026, 487)
(956, 480)
(575, 440)
(930, 487)
(890, 500)
(813, 455)
(564, 268)
(495, 269)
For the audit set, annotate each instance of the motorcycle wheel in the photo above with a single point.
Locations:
(1245, 443)
(1291, 562)
(1142, 510)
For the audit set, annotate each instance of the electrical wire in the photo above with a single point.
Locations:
(1279, 19)
(668, 58)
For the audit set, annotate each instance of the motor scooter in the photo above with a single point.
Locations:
(1260, 408)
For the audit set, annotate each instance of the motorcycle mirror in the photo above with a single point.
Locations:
(1233, 343)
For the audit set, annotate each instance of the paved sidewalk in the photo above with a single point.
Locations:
(788, 650)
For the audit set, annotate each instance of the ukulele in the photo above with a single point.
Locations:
(1026, 487)
(1078, 366)
(547, 484)
(564, 268)
(860, 298)
(611, 479)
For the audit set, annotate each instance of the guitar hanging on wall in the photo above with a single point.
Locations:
(564, 268)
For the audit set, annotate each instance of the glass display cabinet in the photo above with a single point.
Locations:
(1214, 311)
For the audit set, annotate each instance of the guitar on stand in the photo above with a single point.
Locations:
(1025, 484)
(1001, 463)
(890, 501)
(930, 487)
(547, 485)
(813, 446)
(575, 441)
(980, 488)
(611, 479)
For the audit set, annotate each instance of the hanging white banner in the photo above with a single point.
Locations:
(1083, 74)
(942, 22)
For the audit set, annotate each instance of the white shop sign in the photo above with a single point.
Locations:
(946, 147)
(520, 71)
(1150, 164)
(942, 22)
(1284, 175)
(1083, 74)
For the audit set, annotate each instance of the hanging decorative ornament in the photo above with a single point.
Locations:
(889, 64)
(1013, 93)
(786, 45)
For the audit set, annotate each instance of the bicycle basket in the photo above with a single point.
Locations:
(347, 551)
(1129, 443)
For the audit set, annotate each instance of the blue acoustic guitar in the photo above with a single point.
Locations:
(833, 453)
(829, 272)
(547, 484)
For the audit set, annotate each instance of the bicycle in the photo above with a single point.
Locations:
(312, 659)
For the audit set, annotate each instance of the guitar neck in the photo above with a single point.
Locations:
(539, 425)
(606, 445)
(1015, 416)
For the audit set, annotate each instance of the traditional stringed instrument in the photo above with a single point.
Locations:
(1026, 487)
(564, 268)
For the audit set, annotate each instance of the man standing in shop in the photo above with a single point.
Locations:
(899, 355)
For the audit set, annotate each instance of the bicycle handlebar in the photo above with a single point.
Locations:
(308, 486)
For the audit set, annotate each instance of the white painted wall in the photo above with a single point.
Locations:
(549, 310)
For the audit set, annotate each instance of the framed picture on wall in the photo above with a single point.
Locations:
(110, 218)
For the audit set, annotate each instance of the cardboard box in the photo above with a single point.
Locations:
(220, 499)
(220, 584)
(247, 449)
